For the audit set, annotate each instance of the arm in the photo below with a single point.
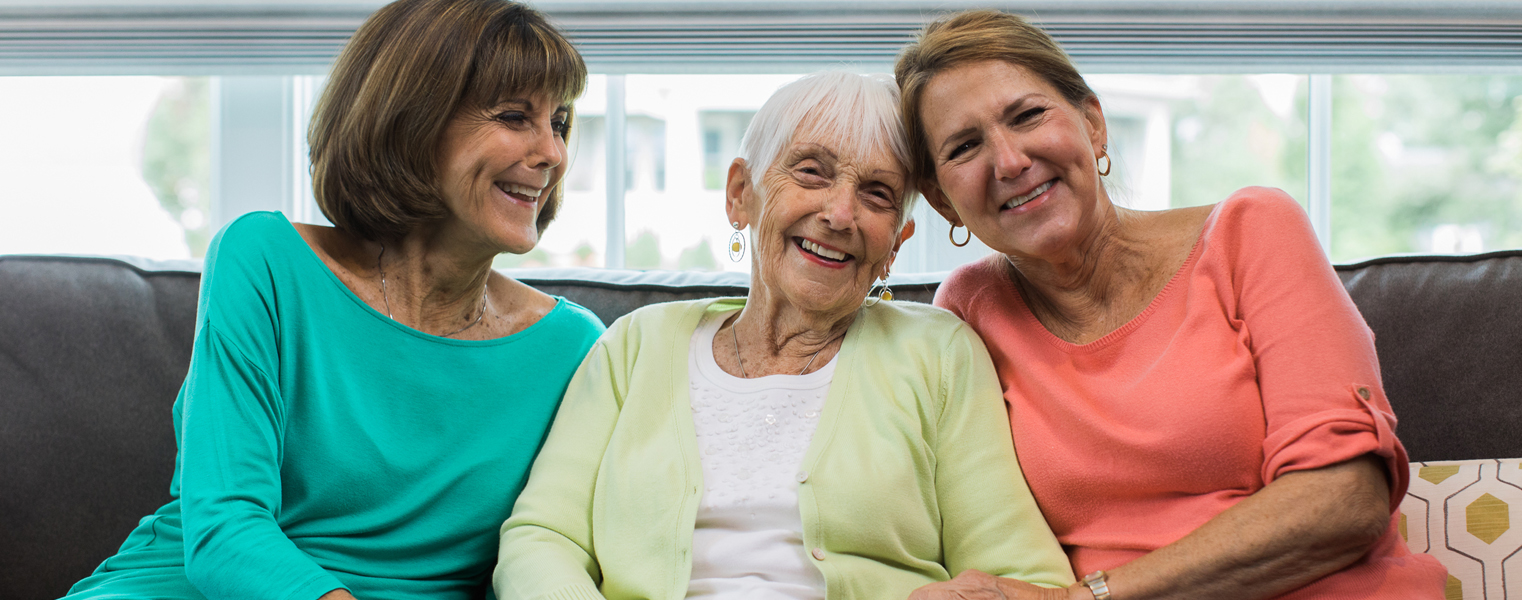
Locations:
(232, 419)
(1332, 466)
(1296, 530)
(546, 544)
(990, 521)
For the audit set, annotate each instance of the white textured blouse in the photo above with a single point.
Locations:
(752, 435)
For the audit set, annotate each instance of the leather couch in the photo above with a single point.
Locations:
(93, 351)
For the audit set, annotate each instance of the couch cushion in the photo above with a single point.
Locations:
(92, 352)
(1468, 514)
(1448, 330)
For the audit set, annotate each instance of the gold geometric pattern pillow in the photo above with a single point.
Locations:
(1468, 514)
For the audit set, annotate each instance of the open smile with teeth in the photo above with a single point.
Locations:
(1040, 189)
(520, 192)
(821, 251)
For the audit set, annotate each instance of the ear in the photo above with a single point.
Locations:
(738, 193)
(938, 201)
(1095, 115)
(903, 236)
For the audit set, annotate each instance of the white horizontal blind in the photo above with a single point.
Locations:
(1221, 36)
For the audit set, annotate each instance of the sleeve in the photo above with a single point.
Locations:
(546, 546)
(1317, 368)
(230, 441)
(990, 520)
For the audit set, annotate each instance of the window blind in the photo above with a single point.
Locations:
(1220, 36)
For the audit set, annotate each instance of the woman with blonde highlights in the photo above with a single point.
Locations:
(1194, 397)
(364, 400)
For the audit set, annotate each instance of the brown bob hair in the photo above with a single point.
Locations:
(407, 71)
(970, 37)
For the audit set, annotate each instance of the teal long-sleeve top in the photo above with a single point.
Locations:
(324, 445)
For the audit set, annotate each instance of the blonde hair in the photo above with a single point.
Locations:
(407, 71)
(970, 37)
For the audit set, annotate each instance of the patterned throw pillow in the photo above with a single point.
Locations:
(1468, 514)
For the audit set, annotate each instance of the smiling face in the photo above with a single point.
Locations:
(826, 224)
(1014, 161)
(497, 167)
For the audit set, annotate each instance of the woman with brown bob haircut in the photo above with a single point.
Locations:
(1194, 398)
(364, 400)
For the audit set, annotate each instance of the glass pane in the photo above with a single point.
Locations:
(1234, 131)
(1425, 163)
(684, 130)
(105, 165)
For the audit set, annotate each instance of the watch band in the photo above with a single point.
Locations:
(1098, 584)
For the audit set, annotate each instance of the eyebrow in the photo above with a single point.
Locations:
(811, 147)
(529, 105)
(1009, 109)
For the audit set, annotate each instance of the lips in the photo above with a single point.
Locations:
(816, 249)
(1022, 199)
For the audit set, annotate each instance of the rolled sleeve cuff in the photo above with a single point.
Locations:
(1339, 435)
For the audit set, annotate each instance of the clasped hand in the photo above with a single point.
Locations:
(973, 584)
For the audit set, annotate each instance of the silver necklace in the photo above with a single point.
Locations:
(380, 266)
(733, 334)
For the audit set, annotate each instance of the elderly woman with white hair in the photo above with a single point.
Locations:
(803, 442)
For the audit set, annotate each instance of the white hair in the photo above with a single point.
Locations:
(854, 115)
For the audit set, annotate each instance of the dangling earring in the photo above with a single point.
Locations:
(884, 294)
(736, 243)
(953, 235)
(1104, 153)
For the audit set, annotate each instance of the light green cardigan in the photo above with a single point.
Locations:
(910, 478)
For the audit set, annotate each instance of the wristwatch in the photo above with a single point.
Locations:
(1098, 585)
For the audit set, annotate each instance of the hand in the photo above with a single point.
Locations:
(338, 594)
(973, 584)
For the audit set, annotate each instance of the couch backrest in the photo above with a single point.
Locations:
(92, 353)
(1448, 330)
(93, 350)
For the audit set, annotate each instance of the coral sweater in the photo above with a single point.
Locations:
(1251, 363)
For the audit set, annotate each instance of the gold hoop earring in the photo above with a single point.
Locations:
(953, 235)
(1103, 153)
(736, 243)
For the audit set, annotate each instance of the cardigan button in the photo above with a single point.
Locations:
(819, 554)
(803, 476)
(1363, 392)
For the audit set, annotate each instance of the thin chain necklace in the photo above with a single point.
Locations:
(380, 266)
(733, 334)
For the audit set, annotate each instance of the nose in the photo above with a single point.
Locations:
(839, 206)
(547, 150)
(1010, 159)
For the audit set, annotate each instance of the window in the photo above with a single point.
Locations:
(105, 165)
(1397, 126)
(1426, 163)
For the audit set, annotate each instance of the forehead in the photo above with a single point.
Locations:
(842, 148)
(966, 93)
